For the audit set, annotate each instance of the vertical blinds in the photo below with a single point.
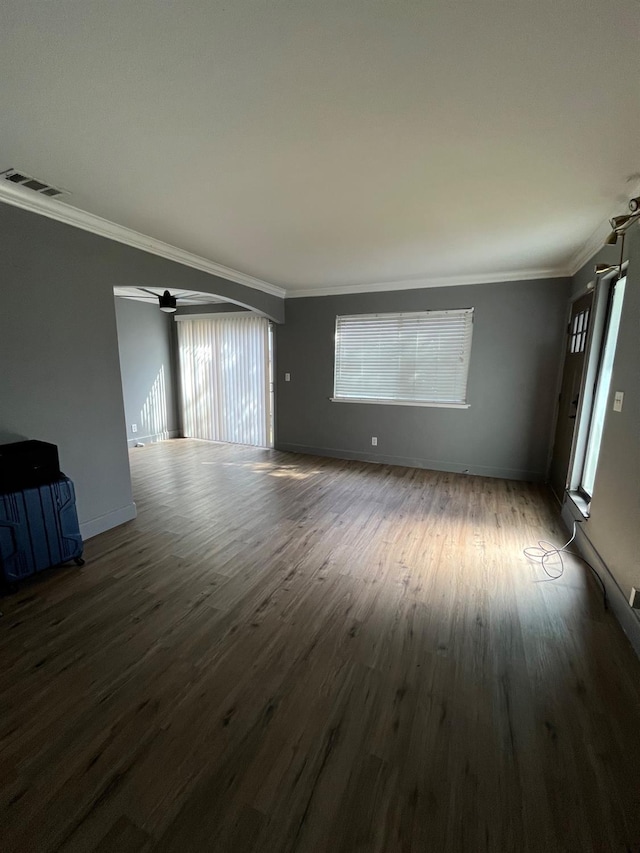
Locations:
(414, 358)
(225, 383)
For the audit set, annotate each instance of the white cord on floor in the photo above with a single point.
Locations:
(545, 551)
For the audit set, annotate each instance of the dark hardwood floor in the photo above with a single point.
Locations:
(287, 653)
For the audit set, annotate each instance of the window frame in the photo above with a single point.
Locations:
(444, 404)
(596, 342)
(600, 396)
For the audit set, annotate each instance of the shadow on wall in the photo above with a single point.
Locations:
(154, 415)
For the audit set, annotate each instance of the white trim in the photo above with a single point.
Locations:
(443, 281)
(400, 403)
(52, 208)
(590, 288)
(412, 315)
(590, 248)
(153, 438)
(580, 503)
(592, 245)
(27, 200)
(626, 616)
(413, 462)
(596, 240)
(89, 529)
(213, 315)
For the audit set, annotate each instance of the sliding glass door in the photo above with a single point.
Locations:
(226, 381)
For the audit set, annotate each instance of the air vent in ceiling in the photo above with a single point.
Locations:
(24, 180)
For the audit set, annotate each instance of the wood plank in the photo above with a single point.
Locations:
(288, 653)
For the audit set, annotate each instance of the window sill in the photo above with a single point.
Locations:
(580, 503)
(399, 403)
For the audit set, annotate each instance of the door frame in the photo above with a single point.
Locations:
(589, 376)
(595, 334)
(589, 288)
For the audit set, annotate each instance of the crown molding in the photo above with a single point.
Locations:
(596, 240)
(62, 212)
(443, 281)
(590, 248)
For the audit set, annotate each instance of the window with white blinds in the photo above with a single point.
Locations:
(225, 378)
(417, 359)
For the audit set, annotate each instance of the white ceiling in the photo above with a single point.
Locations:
(337, 142)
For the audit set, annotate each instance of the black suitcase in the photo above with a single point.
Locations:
(38, 529)
(24, 464)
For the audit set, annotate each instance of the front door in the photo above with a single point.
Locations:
(575, 359)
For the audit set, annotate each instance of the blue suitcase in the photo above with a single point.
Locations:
(38, 529)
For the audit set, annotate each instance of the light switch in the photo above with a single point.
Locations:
(287, 377)
(617, 401)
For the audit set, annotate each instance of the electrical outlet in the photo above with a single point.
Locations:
(134, 427)
(374, 441)
(618, 400)
(634, 598)
(287, 377)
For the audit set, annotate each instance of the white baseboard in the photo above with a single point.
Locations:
(151, 439)
(91, 528)
(413, 462)
(617, 601)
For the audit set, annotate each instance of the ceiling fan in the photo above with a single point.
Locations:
(168, 302)
(166, 299)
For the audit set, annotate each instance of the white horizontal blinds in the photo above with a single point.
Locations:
(224, 370)
(420, 357)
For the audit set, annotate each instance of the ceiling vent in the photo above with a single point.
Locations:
(24, 180)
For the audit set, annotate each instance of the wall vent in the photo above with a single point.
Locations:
(16, 176)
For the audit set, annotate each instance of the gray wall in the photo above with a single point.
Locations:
(146, 339)
(60, 371)
(60, 376)
(613, 528)
(506, 432)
